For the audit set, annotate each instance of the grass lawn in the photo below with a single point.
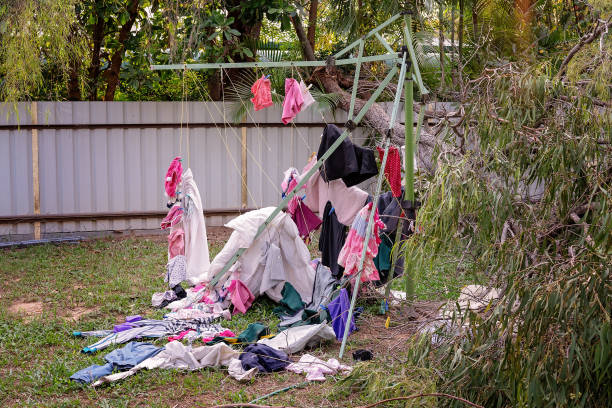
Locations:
(48, 291)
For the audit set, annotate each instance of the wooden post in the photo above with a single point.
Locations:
(243, 169)
(35, 171)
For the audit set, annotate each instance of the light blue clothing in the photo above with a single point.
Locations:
(121, 359)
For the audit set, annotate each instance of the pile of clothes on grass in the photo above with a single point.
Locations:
(312, 302)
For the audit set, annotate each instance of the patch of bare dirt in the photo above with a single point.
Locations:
(29, 310)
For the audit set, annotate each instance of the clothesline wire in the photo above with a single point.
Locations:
(223, 139)
(261, 138)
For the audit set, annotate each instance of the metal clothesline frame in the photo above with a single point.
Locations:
(404, 62)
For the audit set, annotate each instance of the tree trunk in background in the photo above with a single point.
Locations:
(460, 33)
(307, 50)
(312, 22)
(441, 46)
(475, 20)
(74, 88)
(94, 65)
(452, 37)
(112, 75)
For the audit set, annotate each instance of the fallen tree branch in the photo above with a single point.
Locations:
(433, 394)
(584, 40)
(247, 405)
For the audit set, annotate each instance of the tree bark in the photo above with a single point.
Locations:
(307, 49)
(94, 65)
(312, 22)
(112, 75)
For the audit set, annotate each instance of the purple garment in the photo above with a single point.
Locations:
(133, 318)
(338, 311)
(305, 220)
(122, 327)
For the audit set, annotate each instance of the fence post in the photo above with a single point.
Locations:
(35, 171)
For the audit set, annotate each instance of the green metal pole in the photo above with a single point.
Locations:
(408, 161)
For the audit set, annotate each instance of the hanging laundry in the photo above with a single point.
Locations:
(262, 94)
(264, 358)
(173, 177)
(393, 169)
(176, 270)
(338, 312)
(306, 96)
(174, 216)
(241, 296)
(176, 242)
(350, 254)
(305, 220)
(316, 369)
(346, 201)
(331, 241)
(352, 163)
(293, 100)
(196, 243)
(121, 359)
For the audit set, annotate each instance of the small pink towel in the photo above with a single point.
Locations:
(293, 100)
(176, 243)
(173, 176)
(241, 296)
(262, 95)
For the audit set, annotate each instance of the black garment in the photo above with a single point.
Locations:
(331, 241)
(265, 358)
(180, 294)
(353, 164)
(362, 355)
(390, 209)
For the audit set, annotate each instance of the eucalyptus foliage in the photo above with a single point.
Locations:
(529, 202)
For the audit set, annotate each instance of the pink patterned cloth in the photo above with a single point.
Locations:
(350, 254)
(262, 94)
(180, 335)
(175, 215)
(224, 333)
(241, 296)
(176, 243)
(293, 100)
(173, 176)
